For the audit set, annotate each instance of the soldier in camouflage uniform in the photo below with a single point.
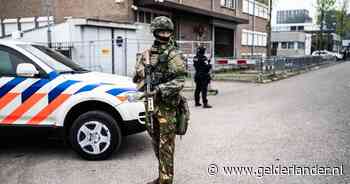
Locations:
(168, 71)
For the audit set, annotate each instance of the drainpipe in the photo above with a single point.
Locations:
(213, 35)
(253, 29)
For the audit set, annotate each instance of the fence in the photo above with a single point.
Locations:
(109, 56)
(290, 64)
(258, 69)
(119, 56)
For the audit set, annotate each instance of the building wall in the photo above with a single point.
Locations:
(260, 26)
(214, 5)
(295, 38)
(189, 25)
(101, 9)
(246, 51)
(21, 8)
(260, 23)
(291, 52)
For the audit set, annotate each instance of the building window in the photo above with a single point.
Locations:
(261, 10)
(228, 3)
(245, 7)
(250, 39)
(146, 16)
(244, 38)
(284, 45)
(301, 45)
(290, 45)
(259, 38)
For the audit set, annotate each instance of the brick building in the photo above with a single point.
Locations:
(228, 24)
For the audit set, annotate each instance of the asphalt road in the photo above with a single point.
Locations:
(298, 122)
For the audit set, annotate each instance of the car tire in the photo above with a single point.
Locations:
(95, 135)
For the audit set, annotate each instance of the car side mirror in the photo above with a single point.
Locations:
(26, 70)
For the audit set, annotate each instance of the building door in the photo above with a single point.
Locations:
(224, 42)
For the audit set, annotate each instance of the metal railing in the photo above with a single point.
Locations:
(278, 65)
(260, 69)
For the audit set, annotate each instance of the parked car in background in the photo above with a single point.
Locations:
(328, 54)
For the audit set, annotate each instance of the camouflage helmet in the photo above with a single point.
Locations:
(162, 23)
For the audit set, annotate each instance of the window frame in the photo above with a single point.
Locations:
(244, 38)
(261, 10)
(231, 4)
(284, 43)
(301, 45)
(291, 44)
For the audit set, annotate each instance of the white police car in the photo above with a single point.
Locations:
(41, 88)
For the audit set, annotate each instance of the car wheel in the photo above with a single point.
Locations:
(95, 135)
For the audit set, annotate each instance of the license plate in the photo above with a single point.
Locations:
(150, 104)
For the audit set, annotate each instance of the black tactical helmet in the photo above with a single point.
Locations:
(201, 50)
(162, 23)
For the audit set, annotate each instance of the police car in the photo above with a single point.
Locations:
(42, 88)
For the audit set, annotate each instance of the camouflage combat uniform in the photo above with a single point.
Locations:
(166, 102)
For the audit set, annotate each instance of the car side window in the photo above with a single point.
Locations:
(10, 59)
(6, 67)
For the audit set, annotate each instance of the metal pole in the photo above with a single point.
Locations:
(253, 29)
(49, 32)
(113, 51)
(2, 28)
(90, 55)
(126, 56)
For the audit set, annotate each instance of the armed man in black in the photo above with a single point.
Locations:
(202, 77)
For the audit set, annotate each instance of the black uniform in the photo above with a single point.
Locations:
(202, 77)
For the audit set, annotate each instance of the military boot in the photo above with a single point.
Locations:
(207, 106)
(156, 181)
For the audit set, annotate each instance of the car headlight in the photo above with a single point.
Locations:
(133, 96)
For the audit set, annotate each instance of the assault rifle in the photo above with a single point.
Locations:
(148, 97)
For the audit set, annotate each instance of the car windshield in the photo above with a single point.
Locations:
(53, 59)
